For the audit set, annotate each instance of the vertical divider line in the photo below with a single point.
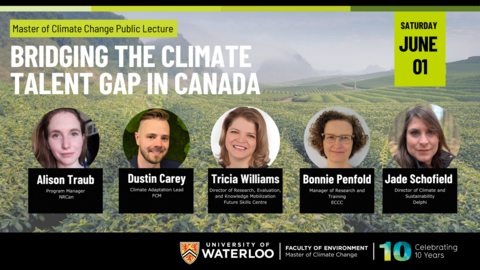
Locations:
(279, 251)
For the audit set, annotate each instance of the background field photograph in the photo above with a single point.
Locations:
(304, 63)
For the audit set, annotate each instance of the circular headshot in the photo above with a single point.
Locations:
(424, 136)
(65, 138)
(156, 138)
(337, 137)
(245, 137)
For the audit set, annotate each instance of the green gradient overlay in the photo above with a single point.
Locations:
(87, 28)
(222, 8)
(240, 8)
(156, 8)
(44, 8)
(415, 8)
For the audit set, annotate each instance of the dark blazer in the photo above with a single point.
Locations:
(446, 160)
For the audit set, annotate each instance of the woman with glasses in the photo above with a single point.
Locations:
(337, 137)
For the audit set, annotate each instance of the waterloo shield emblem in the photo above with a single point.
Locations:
(189, 251)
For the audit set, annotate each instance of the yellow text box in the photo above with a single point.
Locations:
(93, 28)
(420, 53)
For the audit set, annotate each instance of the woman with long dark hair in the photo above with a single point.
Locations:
(422, 143)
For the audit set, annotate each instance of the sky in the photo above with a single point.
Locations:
(347, 41)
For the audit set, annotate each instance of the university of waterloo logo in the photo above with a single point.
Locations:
(189, 251)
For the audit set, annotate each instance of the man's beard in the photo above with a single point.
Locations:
(156, 158)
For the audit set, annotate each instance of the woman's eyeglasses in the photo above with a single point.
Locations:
(344, 138)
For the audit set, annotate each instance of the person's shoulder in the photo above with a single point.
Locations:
(447, 158)
(168, 163)
(264, 167)
(447, 155)
(133, 162)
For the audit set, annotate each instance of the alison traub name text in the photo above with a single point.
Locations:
(47, 180)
